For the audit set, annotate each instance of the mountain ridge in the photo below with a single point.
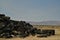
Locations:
(45, 23)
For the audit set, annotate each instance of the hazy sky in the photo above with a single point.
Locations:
(31, 10)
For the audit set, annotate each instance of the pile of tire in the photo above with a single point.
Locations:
(45, 33)
(11, 28)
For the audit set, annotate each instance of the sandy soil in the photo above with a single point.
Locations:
(56, 37)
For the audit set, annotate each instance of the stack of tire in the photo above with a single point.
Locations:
(45, 33)
(11, 28)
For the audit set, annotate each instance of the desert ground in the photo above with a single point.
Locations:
(55, 37)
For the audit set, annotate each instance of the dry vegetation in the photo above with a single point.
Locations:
(55, 37)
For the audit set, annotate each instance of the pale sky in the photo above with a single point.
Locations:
(31, 10)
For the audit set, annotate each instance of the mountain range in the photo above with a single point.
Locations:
(45, 23)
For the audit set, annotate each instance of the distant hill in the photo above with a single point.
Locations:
(45, 23)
